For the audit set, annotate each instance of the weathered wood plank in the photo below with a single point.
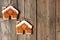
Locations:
(3, 3)
(7, 26)
(30, 16)
(57, 15)
(21, 9)
(15, 3)
(52, 20)
(21, 16)
(0, 29)
(46, 19)
(41, 19)
(27, 13)
(5, 30)
(13, 29)
(57, 19)
(8, 29)
(12, 23)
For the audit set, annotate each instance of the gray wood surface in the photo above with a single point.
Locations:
(42, 19)
(8, 30)
(13, 30)
(44, 15)
(46, 20)
(5, 30)
(57, 19)
(21, 16)
(30, 16)
(8, 27)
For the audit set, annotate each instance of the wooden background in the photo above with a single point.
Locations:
(44, 15)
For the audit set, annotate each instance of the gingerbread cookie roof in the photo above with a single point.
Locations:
(30, 26)
(9, 7)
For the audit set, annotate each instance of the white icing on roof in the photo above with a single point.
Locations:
(30, 26)
(9, 8)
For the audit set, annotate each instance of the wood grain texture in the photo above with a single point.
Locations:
(45, 22)
(3, 3)
(12, 23)
(21, 16)
(46, 19)
(21, 9)
(41, 19)
(13, 29)
(57, 19)
(5, 30)
(0, 30)
(30, 16)
(15, 3)
(57, 15)
(52, 20)
(10, 32)
(26, 7)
